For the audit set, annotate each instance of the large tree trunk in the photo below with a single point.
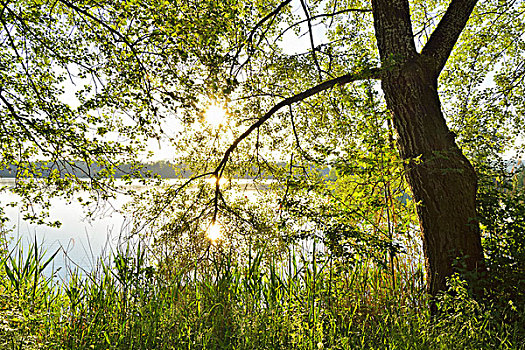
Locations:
(442, 180)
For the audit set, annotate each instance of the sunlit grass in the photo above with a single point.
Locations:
(225, 302)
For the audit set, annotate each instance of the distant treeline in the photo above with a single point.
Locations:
(162, 168)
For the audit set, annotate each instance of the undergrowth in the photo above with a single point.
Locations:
(224, 302)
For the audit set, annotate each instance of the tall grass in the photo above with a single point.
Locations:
(303, 301)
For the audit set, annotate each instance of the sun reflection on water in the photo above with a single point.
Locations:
(214, 232)
(213, 181)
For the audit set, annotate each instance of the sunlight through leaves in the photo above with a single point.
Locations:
(212, 181)
(215, 115)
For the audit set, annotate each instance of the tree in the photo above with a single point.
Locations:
(443, 181)
(158, 59)
(51, 94)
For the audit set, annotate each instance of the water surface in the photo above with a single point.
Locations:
(80, 239)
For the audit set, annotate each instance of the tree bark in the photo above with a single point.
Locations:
(442, 180)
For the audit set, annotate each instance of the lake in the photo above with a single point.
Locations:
(81, 240)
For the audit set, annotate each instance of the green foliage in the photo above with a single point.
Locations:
(52, 97)
(502, 213)
(474, 324)
(303, 301)
(148, 70)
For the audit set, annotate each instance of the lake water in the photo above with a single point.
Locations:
(81, 240)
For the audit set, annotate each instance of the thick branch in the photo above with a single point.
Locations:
(393, 29)
(445, 36)
(373, 73)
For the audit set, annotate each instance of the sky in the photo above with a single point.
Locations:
(291, 44)
(162, 150)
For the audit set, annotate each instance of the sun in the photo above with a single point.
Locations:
(214, 232)
(215, 115)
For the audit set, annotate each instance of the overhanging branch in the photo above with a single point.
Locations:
(369, 73)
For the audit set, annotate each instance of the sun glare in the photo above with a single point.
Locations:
(214, 232)
(213, 181)
(215, 115)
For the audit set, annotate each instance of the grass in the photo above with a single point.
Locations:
(229, 302)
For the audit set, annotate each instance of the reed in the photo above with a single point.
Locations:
(303, 301)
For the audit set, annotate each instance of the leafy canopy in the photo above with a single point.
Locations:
(150, 69)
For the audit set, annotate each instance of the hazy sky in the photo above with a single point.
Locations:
(291, 44)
